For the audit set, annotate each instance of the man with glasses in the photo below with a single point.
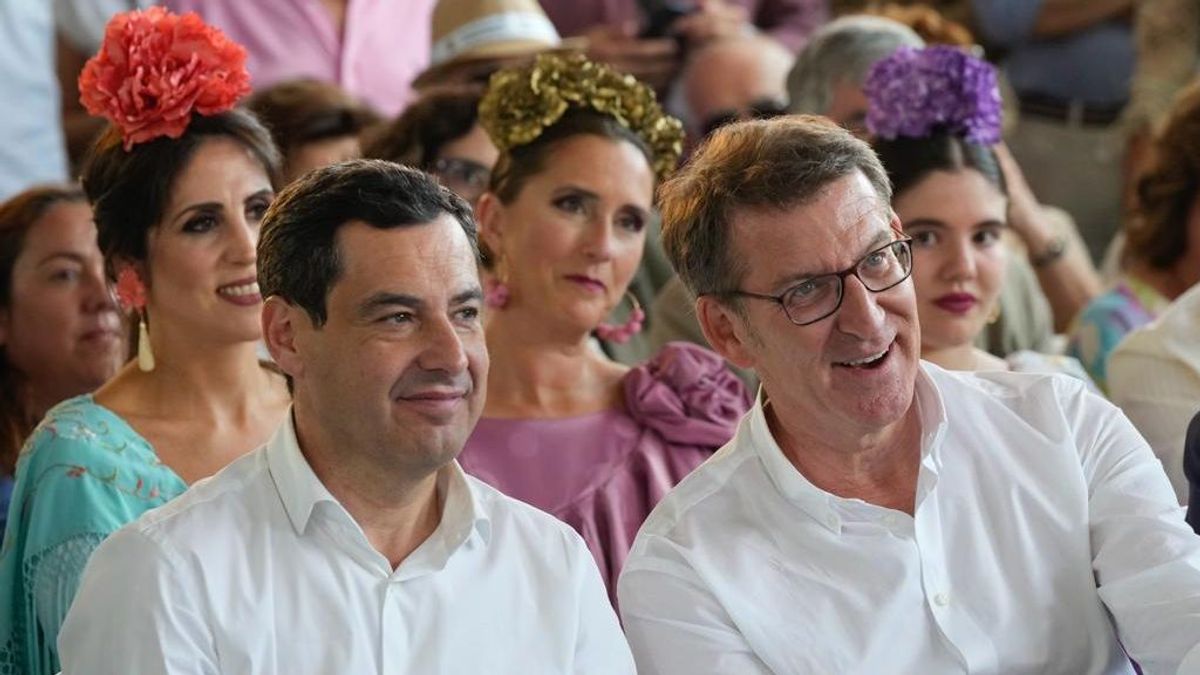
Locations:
(877, 514)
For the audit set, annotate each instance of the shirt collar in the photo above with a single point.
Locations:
(300, 491)
(818, 503)
(463, 519)
(299, 488)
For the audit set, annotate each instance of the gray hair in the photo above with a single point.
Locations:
(773, 164)
(843, 50)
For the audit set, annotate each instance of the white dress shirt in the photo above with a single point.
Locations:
(260, 570)
(1039, 510)
(1154, 375)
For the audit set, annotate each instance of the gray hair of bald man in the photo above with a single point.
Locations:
(843, 50)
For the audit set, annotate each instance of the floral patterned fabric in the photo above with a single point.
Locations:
(1106, 321)
(83, 474)
(604, 472)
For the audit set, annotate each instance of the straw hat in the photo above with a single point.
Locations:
(470, 35)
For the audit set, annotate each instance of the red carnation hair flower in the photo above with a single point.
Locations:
(156, 68)
(131, 292)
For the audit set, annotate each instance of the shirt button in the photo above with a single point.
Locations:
(831, 520)
(890, 520)
(941, 599)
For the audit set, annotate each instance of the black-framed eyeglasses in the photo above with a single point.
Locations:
(466, 177)
(761, 109)
(810, 300)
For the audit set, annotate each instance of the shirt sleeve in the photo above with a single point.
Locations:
(1159, 395)
(1145, 558)
(601, 648)
(1006, 23)
(674, 624)
(137, 611)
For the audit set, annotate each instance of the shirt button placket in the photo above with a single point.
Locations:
(392, 636)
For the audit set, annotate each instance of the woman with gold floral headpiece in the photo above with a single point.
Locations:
(178, 184)
(564, 223)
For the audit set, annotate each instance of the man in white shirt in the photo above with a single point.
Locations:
(353, 542)
(876, 514)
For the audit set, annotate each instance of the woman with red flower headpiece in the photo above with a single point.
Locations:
(178, 184)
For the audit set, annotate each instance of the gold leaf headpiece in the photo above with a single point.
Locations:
(521, 103)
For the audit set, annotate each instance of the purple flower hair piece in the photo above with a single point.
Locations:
(915, 92)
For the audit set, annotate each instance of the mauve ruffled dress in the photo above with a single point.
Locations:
(602, 473)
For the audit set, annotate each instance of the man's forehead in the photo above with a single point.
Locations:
(825, 234)
(435, 254)
(831, 216)
(436, 240)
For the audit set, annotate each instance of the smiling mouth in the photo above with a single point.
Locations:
(239, 290)
(868, 362)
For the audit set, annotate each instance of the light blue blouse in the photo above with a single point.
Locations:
(83, 474)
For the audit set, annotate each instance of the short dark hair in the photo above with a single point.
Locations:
(306, 110)
(910, 160)
(298, 259)
(778, 164)
(416, 137)
(129, 190)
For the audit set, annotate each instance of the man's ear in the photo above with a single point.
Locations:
(489, 216)
(280, 321)
(725, 331)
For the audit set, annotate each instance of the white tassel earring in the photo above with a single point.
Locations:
(145, 354)
(131, 294)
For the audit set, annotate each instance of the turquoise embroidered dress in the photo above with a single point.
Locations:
(83, 474)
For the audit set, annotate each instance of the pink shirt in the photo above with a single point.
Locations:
(384, 45)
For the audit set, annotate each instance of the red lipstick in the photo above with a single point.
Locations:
(957, 303)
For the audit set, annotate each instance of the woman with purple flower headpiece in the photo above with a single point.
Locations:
(935, 116)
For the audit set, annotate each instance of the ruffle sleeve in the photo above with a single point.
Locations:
(688, 395)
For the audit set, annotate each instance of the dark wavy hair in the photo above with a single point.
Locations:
(306, 110)
(17, 217)
(1157, 234)
(129, 190)
(417, 136)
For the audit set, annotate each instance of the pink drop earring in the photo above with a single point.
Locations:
(131, 295)
(621, 333)
(495, 293)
